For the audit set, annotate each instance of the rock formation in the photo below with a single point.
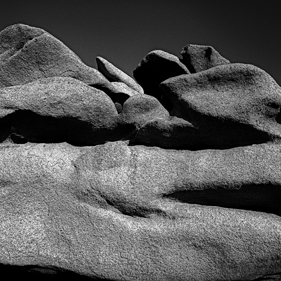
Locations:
(199, 58)
(173, 176)
(156, 67)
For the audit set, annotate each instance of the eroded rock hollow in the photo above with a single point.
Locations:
(174, 174)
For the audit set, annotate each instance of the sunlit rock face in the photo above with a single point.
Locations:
(173, 175)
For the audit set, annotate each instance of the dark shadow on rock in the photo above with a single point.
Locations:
(273, 277)
(25, 126)
(178, 133)
(261, 198)
(37, 273)
(15, 138)
(188, 63)
(156, 67)
(278, 118)
(111, 92)
(199, 57)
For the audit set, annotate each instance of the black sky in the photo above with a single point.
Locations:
(124, 31)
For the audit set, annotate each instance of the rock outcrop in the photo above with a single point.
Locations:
(140, 109)
(102, 181)
(230, 105)
(113, 74)
(29, 53)
(199, 58)
(156, 67)
(58, 109)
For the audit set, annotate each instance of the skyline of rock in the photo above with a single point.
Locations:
(174, 174)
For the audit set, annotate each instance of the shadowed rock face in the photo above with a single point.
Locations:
(156, 67)
(100, 181)
(229, 105)
(199, 58)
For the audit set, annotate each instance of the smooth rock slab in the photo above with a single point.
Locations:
(109, 211)
(230, 105)
(114, 74)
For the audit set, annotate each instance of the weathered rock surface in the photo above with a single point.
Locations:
(117, 91)
(140, 109)
(230, 105)
(123, 92)
(156, 67)
(100, 181)
(29, 53)
(108, 211)
(114, 74)
(124, 88)
(172, 132)
(199, 58)
(58, 109)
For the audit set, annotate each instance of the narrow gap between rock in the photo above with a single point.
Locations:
(25, 126)
(35, 273)
(261, 198)
(278, 118)
(132, 210)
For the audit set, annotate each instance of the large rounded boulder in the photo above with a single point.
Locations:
(29, 53)
(57, 109)
(230, 105)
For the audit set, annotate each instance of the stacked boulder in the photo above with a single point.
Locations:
(172, 175)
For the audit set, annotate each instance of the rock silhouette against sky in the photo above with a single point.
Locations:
(173, 174)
